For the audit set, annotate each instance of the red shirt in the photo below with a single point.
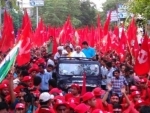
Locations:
(68, 96)
(108, 107)
(145, 95)
(99, 104)
(44, 110)
(130, 109)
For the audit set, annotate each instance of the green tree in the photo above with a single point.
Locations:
(88, 13)
(17, 19)
(55, 12)
(141, 7)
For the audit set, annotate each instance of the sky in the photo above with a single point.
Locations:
(98, 4)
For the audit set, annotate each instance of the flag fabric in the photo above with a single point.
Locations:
(39, 34)
(122, 46)
(106, 25)
(142, 65)
(24, 51)
(8, 61)
(8, 38)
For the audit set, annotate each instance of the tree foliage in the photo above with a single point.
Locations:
(88, 13)
(141, 7)
(55, 12)
(17, 19)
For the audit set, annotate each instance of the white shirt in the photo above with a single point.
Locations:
(50, 62)
(16, 82)
(110, 75)
(57, 55)
(75, 54)
(104, 72)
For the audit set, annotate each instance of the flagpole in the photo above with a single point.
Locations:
(37, 16)
(148, 77)
(0, 15)
(0, 20)
(130, 51)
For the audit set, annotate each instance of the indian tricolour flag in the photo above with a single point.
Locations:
(8, 61)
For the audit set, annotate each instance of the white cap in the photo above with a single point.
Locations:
(60, 48)
(45, 97)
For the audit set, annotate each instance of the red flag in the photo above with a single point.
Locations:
(24, 51)
(84, 84)
(108, 46)
(115, 38)
(8, 38)
(106, 25)
(122, 45)
(131, 32)
(67, 33)
(135, 48)
(38, 36)
(142, 65)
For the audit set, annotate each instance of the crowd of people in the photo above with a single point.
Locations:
(33, 87)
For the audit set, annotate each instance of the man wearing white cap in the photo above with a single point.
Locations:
(59, 52)
(45, 100)
(78, 52)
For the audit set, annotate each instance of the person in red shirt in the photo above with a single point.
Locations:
(75, 93)
(28, 81)
(71, 105)
(145, 90)
(98, 92)
(4, 90)
(33, 70)
(132, 89)
(61, 106)
(89, 99)
(113, 99)
(82, 108)
(136, 95)
(55, 92)
(20, 108)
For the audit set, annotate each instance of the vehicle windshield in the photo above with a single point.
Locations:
(78, 69)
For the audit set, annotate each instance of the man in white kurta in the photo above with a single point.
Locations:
(78, 52)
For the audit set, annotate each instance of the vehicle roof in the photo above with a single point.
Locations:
(75, 60)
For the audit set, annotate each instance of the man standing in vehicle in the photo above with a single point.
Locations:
(87, 50)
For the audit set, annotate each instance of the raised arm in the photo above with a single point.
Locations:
(109, 88)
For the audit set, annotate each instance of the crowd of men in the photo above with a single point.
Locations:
(33, 88)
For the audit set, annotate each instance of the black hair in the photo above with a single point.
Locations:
(127, 69)
(37, 80)
(50, 55)
(24, 73)
(42, 65)
(117, 106)
(84, 43)
(117, 70)
(145, 109)
(114, 94)
(49, 65)
(3, 105)
(52, 83)
(44, 103)
(109, 64)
